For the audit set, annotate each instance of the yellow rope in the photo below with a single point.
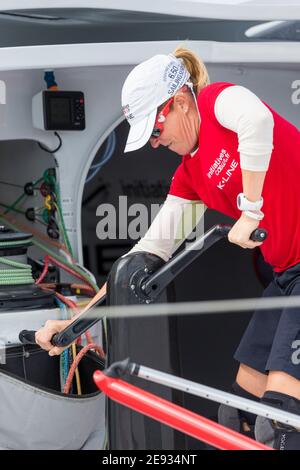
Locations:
(78, 384)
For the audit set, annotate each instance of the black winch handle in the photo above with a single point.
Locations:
(155, 284)
(28, 337)
(152, 287)
(71, 332)
(259, 235)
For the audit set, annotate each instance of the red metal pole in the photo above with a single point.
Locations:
(173, 415)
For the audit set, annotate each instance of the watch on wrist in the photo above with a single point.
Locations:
(244, 204)
(256, 215)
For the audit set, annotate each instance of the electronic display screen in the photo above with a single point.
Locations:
(60, 111)
(64, 110)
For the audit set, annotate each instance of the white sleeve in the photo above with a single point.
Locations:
(241, 111)
(172, 225)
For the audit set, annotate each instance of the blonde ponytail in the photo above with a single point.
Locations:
(195, 66)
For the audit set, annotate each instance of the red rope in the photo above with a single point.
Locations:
(88, 336)
(77, 360)
(70, 303)
(62, 266)
(84, 287)
(44, 272)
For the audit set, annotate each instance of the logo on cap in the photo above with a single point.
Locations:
(177, 75)
(127, 113)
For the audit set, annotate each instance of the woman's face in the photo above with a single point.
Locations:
(181, 128)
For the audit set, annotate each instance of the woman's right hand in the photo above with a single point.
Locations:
(44, 335)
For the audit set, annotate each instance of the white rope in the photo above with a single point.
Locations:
(195, 308)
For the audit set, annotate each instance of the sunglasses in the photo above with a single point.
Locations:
(160, 119)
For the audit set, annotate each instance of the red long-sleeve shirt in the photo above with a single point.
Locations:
(214, 175)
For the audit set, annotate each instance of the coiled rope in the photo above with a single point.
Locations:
(22, 274)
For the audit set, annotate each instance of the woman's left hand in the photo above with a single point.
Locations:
(241, 231)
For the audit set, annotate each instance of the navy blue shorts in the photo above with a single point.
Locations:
(272, 338)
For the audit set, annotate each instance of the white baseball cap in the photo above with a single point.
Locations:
(149, 85)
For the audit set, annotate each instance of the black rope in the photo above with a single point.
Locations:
(56, 149)
(12, 184)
